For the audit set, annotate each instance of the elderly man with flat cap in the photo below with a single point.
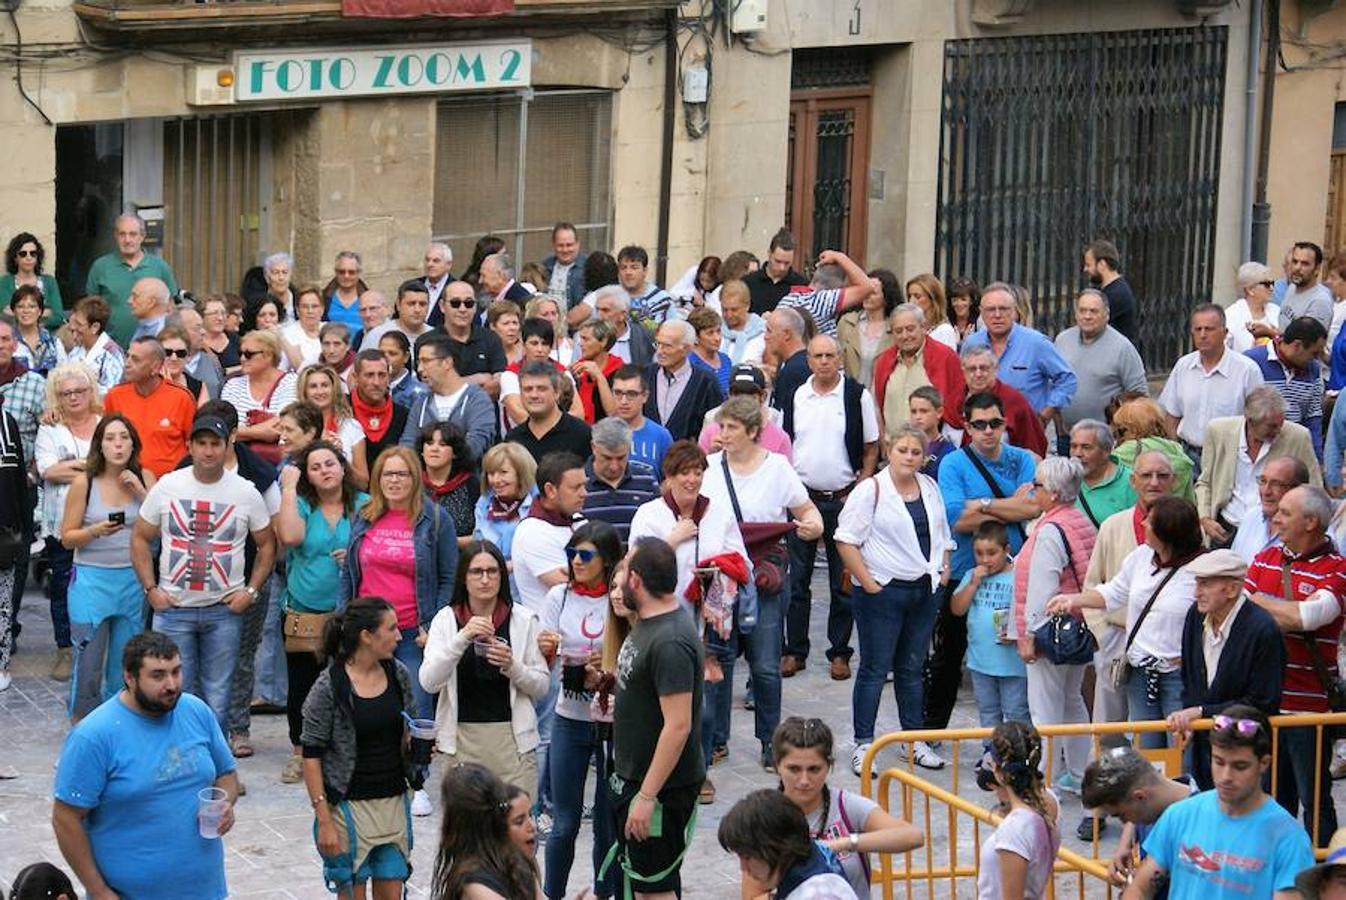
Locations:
(1232, 652)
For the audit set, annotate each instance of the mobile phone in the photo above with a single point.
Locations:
(117, 518)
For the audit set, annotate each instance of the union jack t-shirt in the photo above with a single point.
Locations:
(202, 530)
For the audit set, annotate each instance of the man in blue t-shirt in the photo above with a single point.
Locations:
(127, 785)
(649, 440)
(1234, 841)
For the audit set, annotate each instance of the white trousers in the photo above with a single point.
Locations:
(1054, 698)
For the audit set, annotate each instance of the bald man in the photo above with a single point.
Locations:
(150, 304)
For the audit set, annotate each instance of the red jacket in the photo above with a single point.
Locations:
(941, 367)
(1023, 425)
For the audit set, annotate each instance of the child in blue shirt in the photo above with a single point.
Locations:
(986, 597)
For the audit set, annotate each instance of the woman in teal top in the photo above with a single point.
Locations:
(23, 265)
(318, 499)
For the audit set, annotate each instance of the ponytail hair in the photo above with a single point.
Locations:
(1016, 749)
(341, 634)
(799, 733)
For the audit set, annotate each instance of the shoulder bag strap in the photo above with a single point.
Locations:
(729, 483)
(1087, 511)
(266, 401)
(994, 486)
(1325, 679)
(1149, 604)
(1070, 557)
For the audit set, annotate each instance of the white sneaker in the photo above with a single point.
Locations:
(858, 759)
(5, 681)
(421, 805)
(926, 757)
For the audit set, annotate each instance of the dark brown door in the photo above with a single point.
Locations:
(828, 172)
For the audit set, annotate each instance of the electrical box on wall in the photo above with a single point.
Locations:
(695, 84)
(747, 15)
(210, 85)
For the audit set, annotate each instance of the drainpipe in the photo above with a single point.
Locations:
(666, 155)
(1261, 229)
(1250, 126)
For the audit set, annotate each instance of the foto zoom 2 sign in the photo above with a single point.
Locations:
(301, 74)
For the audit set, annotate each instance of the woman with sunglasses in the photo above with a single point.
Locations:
(23, 268)
(259, 393)
(482, 658)
(1253, 307)
(34, 344)
(851, 825)
(106, 600)
(404, 549)
(174, 342)
(61, 452)
(577, 610)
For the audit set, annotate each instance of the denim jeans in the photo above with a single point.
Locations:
(1000, 698)
(60, 562)
(840, 622)
(893, 629)
(1142, 710)
(574, 747)
(1295, 777)
(762, 647)
(207, 639)
(272, 681)
(411, 656)
(545, 709)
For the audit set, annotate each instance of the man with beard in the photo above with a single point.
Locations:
(127, 783)
(1305, 295)
(1102, 265)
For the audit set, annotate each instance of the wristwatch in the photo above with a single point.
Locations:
(251, 591)
(985, 503)
(855, 842)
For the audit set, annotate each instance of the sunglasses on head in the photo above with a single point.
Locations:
(585, 556)
(1245, 727)
(985, 424)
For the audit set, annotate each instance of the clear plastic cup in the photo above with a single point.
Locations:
(211, 804)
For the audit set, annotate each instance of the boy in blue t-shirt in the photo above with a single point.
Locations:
(986, 597)
(1234, 841)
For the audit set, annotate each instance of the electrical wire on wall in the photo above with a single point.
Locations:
(18, 67)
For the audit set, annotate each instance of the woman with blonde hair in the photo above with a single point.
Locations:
(403, 548)
(321, 386)
(508, 486)
(60, 453)
(1138, 425)
(548, 308)
(259, 392)
(927, 292)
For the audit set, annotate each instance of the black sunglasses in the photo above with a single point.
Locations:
(249, 354)
(985, 424)
(180, 354)
(461, 304)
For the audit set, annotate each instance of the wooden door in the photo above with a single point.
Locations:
(827, 178)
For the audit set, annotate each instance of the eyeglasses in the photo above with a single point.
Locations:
(72, 393)
(484, 572)
(1267, 284)
(584, 556)
(627, 395)
(249, 354)
(180, 353)
(1038, 485)
(461, 304)
(1245, 727)
(1264, 481)
(26, 254)
(348, 271)
(395, 475)
(985, 424)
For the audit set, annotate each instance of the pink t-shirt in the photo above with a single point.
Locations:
(388, 565)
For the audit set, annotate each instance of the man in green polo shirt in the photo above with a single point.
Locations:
(1107, 484)
(113, 274)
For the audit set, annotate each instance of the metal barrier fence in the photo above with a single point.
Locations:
(936, 870)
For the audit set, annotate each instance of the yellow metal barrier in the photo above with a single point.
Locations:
(943, 868)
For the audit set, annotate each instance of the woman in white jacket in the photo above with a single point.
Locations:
(482, 658)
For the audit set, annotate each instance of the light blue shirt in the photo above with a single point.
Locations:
(991, 605)
(1209, 855)
(961, 483)
(1032, 366)
(139, 776)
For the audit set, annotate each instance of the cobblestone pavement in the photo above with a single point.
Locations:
(270, 851)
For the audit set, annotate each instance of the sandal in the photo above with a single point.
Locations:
(241, 745)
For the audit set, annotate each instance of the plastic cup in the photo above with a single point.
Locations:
(211, 804)
(482, 646)
(422, 733)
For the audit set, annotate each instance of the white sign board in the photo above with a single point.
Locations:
(366, 72)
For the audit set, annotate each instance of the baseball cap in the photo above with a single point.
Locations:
(747, 378)
(212, 424)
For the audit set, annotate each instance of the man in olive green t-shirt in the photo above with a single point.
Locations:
(113, 274)
(1107, 484)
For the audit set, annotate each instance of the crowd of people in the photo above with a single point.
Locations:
(518, 527)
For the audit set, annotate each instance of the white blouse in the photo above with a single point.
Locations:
(886, 534)
(718, 533)
(1160, 635)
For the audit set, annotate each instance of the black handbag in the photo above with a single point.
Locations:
(1064, 640)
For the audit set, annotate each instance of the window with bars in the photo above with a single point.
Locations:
(513, 166)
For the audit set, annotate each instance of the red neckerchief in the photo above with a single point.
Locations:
(698, 508)
(374, 419)
(600, 590)
(501, 510)
(499, 616)
(1138, 524)
(12, 371)
(540, 510)
(439, 490)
